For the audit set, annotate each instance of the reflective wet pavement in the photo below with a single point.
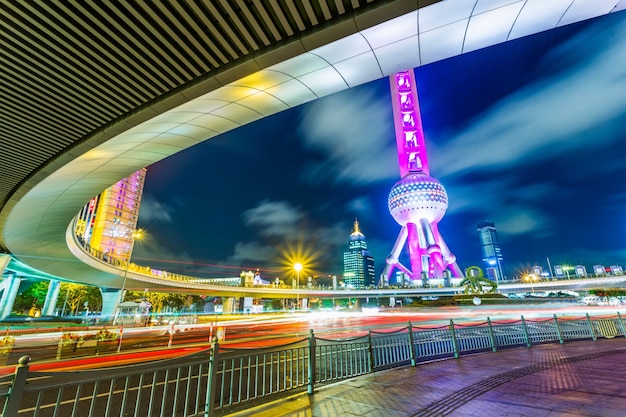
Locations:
(581, 379)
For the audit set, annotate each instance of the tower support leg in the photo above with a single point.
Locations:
(415, 252)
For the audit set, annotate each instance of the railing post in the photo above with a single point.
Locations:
(621, 324)
(16, 390)
(211, 388)
(312, 364)
(594, 337)
(370, 349)
(455, 344)
(412, 345)
(526, 332)
(558, 329)
(491, 336)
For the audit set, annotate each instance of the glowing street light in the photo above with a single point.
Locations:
(531, 278)
(298, 267)
(567, 268)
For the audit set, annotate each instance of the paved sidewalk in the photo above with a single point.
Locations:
(577, 379)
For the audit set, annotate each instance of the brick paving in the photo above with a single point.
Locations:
(576, 379)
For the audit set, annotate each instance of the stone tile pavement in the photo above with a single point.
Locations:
(576, 379)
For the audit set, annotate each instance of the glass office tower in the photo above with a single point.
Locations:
(358, 263)
(490, 247)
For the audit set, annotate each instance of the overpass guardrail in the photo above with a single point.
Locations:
(218, 381)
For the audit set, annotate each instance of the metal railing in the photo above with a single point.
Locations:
(218, 381)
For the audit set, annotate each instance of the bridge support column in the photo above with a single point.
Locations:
(9, 288)
(51, 297)
(230, 304)
(4, 262)
(110, 300)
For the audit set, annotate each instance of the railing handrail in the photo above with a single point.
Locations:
(223, 380)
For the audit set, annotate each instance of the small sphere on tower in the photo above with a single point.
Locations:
(417, 196)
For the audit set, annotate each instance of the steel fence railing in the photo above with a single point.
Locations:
(220, 380)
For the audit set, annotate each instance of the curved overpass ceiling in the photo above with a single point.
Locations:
(94, 90)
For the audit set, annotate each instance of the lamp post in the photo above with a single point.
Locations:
(298, 267)
(567, 268)
(135, 235)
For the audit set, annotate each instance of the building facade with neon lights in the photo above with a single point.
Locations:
(108, 221)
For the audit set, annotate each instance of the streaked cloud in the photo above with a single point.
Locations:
(152, 210)
(355, 135)
(274, 218)
(551, 116)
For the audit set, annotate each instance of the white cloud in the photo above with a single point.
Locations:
(360, 205)
(152, 210)
(355, 134)
(274, 218)
(521, 220)
(553, 115)
(246, 252)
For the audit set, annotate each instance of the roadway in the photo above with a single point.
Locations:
(266, 330)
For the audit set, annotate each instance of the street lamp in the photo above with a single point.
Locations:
(531, 278)
(135, 235)
(298, 267)
(567, 268)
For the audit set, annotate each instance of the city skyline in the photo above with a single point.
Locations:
(521, 134)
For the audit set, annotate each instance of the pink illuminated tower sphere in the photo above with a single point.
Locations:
(418, 201)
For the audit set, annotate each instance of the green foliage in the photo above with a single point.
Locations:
(277, 304)
(72, 298)
(32, 296)
(159, 300)
(608, 292)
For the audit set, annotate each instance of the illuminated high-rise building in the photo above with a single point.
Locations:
(108, 221)
(490, 247)
(358, 263)
(418, 201)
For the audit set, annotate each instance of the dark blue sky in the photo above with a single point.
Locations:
(529, 134)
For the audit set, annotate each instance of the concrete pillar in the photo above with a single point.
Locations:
(4, 262)
(51, 298)
(230, 304)
(9, 288)
(110, 300)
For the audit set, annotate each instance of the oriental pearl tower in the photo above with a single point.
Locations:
(418, 201)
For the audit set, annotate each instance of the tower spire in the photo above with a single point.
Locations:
(355, 229)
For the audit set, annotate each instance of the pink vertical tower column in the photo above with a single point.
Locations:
(418, 201)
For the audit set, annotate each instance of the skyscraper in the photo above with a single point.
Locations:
(108, 221)
(490, 247)
(358, 263)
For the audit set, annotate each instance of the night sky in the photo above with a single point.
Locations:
(530, 135)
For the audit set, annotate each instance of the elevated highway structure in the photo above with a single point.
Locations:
(93, 91)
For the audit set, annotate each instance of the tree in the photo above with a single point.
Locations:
(32, 296)
(73, 296)
(475, 281)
